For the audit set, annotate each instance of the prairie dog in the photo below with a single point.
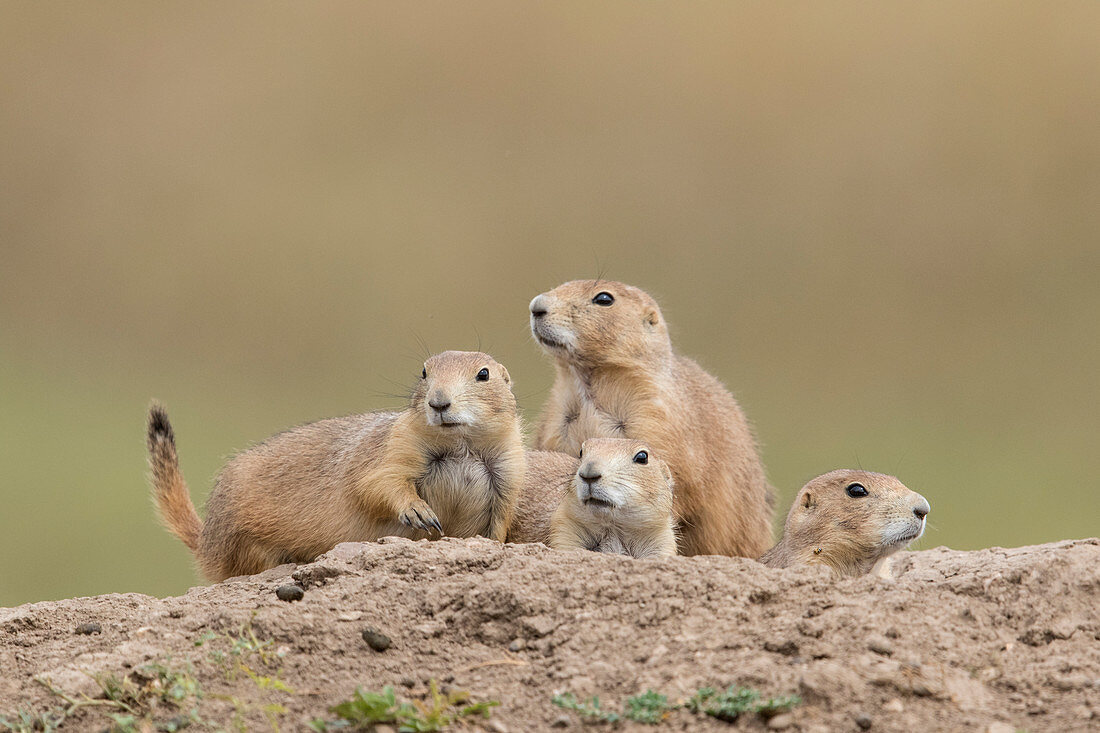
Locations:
(621, 502)
(618, 377)
(851, 521)
(452, 463)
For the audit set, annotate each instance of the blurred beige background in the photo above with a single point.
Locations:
(878, 223)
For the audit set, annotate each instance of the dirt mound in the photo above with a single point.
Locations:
(956, 640)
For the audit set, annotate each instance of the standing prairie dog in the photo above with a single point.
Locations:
(618, 377)
(620, 502)
(451, 463)
(852, 521)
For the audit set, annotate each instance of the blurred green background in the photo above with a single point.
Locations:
(879, 224)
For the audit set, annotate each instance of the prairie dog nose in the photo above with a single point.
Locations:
(439, 402)
(538, 306)
(922, 508)
(589, 473)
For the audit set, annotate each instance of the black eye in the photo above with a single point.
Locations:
(604, 298)
(856, 491)
(641, 457)
(424, 374)
(483, 375)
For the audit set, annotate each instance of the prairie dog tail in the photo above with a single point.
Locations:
(169, 489)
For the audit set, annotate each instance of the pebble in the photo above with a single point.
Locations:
(864, 721)
(879, 645)
(376, 640)
(999, 727)
(562, 721)
(894, 706)
(289, 593)
(783, 721)
(497, 727)
(90, 627)
(516, 645)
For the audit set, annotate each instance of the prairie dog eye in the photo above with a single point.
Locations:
(604, 298)
(641, 457)
(483, 375)
(424, 373)
(856, 491)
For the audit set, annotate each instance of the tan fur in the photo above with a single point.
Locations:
(852, 535)
(549, 476)
(624, 508)
(170, 490)
(617, 376)
(358, 478)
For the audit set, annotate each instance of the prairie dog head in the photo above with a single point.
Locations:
(465, 392)
(851, 519)
(621, 480)
(597, 323)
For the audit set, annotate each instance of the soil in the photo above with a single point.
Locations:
(997, 639)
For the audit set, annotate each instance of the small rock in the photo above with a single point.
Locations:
(351, 616)
(516, 645)
(864, 721)
(497, 727)
(655, 654)
(1063, 628)
(289, 593)
(562, 721)
(879, 645)
(539, 626)
(783, 721)
(408, 682)
(787, 647)
(921, 689)
(894, 706)
(89, 627)
(384, 729)
(1000, 727)
(376, 640)
(430, 629)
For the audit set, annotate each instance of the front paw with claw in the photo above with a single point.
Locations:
(420, 516)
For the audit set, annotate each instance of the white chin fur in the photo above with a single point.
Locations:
(551, 337)
(605, 490)
(901, 532)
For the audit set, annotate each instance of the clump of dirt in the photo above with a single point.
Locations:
(957, 640)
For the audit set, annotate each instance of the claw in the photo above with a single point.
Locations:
(438, 526)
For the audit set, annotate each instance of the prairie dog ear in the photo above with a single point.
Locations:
(666, 472)
(808, 500)
(504, 373)
(651, 318)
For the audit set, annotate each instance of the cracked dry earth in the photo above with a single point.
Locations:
(997, 639)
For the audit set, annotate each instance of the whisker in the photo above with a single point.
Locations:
(423, 345)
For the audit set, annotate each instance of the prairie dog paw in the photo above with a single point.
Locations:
(420, 516)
